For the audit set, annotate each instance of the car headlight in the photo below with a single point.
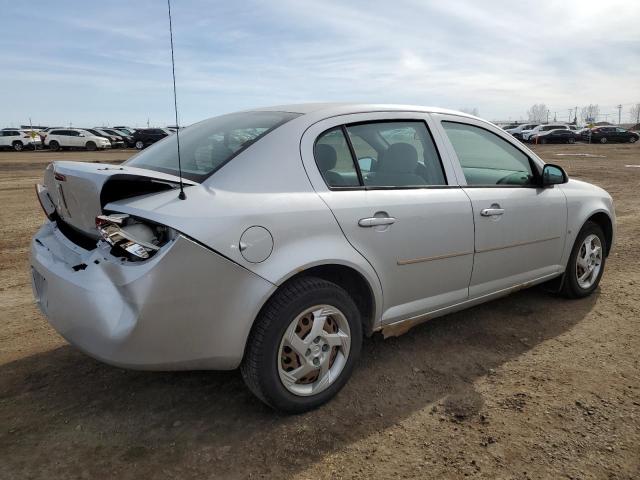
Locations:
(131, 237)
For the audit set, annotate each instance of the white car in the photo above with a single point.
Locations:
(517, 131)
(19, 139)
(299, 230)
(527, 134)
(75, 138)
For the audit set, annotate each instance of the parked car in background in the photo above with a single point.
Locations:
(561, 135)
(75, 138)
(144, 137)
(610, 134)
(45, 131)
(526, 135)
(127, 139)
(115, 140)
(303, 229)
(128, 130)
(18, 140)
(518, 131)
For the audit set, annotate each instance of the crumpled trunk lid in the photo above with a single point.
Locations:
(79, 191)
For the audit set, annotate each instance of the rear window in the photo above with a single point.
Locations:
(208, 145)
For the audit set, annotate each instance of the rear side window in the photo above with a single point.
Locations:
(398, 154)
(406, 155)
(486, 159)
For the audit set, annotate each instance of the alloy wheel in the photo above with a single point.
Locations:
(589, 261)
(314, 350)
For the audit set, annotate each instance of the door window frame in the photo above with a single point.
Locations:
(344, 126)
(535, 163)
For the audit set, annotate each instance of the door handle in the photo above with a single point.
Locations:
(376, 221)
(490, 212)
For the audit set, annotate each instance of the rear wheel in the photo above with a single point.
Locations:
(572, 140)
(303, 346)
(543, 141)
(633, 139)
(586, 262)
(91, 146)
(139, 144)
(603, 140)
(17, 146)
(53, 145)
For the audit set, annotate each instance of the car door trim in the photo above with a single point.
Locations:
(518, 244)
(429, 259)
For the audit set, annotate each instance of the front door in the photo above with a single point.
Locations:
(397, 208)
(519, 227)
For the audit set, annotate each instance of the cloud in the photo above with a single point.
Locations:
(499, 56)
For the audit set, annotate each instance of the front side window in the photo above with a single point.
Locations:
(486, 159)
(208, 145)
(396, 154)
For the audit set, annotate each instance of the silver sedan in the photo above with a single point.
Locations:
(302, 229)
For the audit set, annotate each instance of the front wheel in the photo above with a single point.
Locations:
(303, 346)
(572, 140)
(139, 144)
(53, 145)
(91, 146)
(633, 140)
(603, 140)
(586, 262)
(18, 146)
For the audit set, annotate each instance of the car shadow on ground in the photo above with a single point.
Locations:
(63, 414)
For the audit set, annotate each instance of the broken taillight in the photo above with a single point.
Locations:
(132, 237)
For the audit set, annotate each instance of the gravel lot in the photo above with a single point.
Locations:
(529, 386)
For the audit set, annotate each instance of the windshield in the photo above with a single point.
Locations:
(208, 145)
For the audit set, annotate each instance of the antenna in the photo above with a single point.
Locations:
(181, 196)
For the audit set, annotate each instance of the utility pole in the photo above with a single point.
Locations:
(575, 118)
(548, 112)
(147, 122)
(570, 110)
(555, 116)
(619, 107)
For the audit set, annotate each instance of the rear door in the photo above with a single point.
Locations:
(399, 205)
(519, 227)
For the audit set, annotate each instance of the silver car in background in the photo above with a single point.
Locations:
(304, 229)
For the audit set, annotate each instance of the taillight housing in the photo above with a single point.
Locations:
(133, 238)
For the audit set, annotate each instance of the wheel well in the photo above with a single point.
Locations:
(604, 222)
(355, 285)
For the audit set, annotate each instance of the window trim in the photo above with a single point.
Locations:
(344, 126)
(532, 164)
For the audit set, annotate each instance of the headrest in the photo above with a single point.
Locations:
(400, 158)
(326, 157)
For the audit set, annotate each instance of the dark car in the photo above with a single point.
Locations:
(610, 134)
(126, 137)
(554, 136)
(147, 136)
(116, 141)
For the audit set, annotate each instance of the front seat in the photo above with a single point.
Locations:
(398, 167)
(326, 159)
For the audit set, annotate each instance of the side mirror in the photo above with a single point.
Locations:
(81, 134)
(553, 175)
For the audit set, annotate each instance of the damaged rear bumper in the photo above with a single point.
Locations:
(185, 308)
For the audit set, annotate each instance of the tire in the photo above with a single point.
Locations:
(542, 141)
(17, 146)
(633, 139)
(603, 140)
(139, 144)
(571, 287)
(53, 145)
(91, 146)
(572, 140)
(266, 351)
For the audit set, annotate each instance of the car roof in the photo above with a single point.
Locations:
(340, 108)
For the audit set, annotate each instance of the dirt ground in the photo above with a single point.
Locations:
(529, 386)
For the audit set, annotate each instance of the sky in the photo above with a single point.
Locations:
(89, 63)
